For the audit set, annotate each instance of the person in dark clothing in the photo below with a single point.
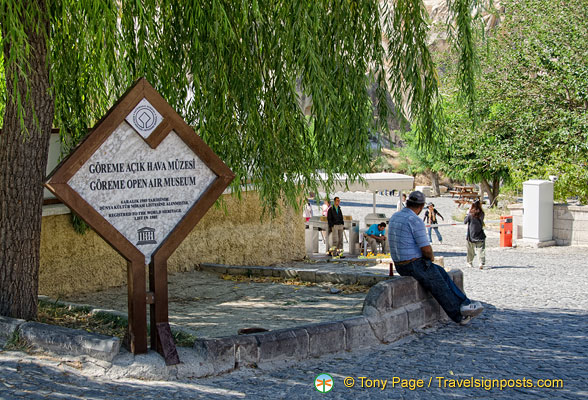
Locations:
(335, 221)
(475, 236)
(431, 218)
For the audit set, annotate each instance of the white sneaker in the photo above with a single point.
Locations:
(473, 309)
(470, 265)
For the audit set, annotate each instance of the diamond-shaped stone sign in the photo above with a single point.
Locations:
(142, 179)
(138, 189)
(139, 172)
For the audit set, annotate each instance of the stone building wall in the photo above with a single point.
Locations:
(71, 262)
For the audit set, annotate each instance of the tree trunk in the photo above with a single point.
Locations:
(493, 191)
(23, 160)
(435, 183)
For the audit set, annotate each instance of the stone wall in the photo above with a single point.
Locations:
(570, 224)
(71, 262)
(392, 309)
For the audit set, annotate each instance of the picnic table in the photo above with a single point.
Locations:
(465, 195)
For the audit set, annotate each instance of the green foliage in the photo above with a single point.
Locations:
(235, 71)
(532, 99)
(17, 343)
(82, 317)
(413, 78)
(419, 160)
(2, 89)
(79, 225)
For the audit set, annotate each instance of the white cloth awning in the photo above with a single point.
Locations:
(375, 182)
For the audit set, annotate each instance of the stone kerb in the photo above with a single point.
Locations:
(62, 340)
(392, 309)
(306, 275)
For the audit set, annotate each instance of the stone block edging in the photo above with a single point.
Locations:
(304, 274)
(392, 309)
(60, 340)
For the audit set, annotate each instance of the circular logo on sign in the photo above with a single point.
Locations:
(144, 118)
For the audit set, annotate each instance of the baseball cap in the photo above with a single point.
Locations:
(417, 197)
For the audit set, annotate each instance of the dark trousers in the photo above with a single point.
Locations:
(436, 280)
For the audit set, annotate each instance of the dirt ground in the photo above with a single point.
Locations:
(208, 306)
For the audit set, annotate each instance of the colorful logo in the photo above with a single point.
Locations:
(323, 383)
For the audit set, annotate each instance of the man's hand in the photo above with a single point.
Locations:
(428, 253)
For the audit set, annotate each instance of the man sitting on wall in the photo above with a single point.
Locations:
(375, 234)
(412, 254)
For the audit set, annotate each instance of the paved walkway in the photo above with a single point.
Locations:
(535, 327)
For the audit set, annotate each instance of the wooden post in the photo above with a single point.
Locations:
(161, 338)
(137, 307)
(158, 310)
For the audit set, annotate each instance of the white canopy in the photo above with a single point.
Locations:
(376, 182)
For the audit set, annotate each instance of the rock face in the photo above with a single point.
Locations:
(439, 11)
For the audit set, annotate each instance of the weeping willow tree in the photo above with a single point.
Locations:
(235, 70)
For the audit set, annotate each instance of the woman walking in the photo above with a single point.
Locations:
(476, 238)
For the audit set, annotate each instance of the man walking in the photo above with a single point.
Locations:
(335, 221)
(412, 254)
(431, 219)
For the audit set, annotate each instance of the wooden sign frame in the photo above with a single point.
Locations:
(138, 297)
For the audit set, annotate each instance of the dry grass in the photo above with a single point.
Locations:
(345, 288)
(103, 323)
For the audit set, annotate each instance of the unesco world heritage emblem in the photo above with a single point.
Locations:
(144, 118)
(146, 235)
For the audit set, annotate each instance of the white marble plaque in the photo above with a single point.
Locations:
(142, 192)
(144, 118)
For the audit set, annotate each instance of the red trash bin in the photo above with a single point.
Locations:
(506, 231)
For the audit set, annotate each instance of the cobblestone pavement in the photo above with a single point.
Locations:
(534, 328)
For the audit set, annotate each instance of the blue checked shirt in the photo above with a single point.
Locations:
(406, 235)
